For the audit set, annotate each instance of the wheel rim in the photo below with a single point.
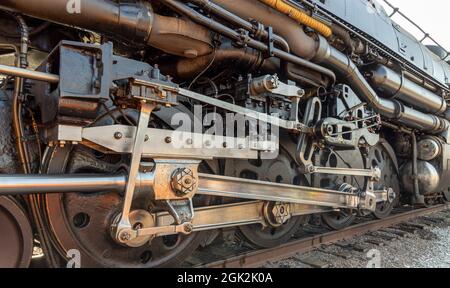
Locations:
(82, 221)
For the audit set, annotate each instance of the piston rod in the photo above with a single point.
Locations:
(208, 185)
(28, 74)
(75, 183)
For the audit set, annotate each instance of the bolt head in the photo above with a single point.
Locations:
(124, 236)
(118, 135)
(183, 181)
(188, 228)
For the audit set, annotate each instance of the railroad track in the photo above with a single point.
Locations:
(257, 258)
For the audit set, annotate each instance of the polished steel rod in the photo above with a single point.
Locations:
(28, 74)
(81, 183)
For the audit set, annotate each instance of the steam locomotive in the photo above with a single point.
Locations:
(136, 132)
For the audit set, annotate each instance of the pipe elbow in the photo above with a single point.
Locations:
(180, 37)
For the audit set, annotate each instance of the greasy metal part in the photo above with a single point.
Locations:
(120, 228)
(258, 258)
(129, 22)
(16, 242)
(395, 86)
(271, 84)
(28, 74)
(236, 36)
(391, 109)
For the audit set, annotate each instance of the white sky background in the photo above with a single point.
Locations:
(432, 15)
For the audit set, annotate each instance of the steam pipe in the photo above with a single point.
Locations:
(129, 22)
(236, 36)
(238, 21)
(247, 58)
(300, 44)
(398, 87)
(391, 109)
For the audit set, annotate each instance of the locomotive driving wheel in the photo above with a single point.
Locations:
(339, 159)
(379, 157)
(82, 221)
(16, 237)
(283, 169)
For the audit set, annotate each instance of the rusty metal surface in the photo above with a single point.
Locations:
(258, 258)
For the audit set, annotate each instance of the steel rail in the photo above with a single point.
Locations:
(254, 259)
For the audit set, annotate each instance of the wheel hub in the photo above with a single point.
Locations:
(83, 221)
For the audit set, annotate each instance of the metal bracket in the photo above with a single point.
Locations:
(163, 143)
(123, 226)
